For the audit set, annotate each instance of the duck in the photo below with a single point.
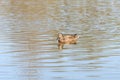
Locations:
(67, 38)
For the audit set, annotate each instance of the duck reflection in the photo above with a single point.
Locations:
(66, 39)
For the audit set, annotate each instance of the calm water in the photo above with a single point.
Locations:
(28, 45)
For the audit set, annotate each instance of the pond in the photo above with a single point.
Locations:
(29, 47)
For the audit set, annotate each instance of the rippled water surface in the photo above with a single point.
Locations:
(29, 49)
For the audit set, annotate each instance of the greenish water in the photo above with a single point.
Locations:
(28, 45)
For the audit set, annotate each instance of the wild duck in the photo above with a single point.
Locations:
(67, 38)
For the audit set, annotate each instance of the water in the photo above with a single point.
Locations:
(28, 45)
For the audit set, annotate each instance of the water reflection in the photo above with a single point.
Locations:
(29, 49)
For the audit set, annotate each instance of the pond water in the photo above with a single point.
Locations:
(29, 49)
